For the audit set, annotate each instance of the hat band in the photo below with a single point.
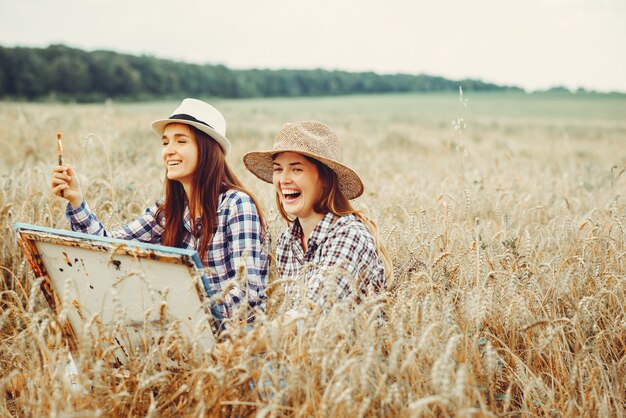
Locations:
(190, 118)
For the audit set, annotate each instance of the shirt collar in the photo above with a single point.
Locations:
(322, 229)
(187, 218)
(318, 234)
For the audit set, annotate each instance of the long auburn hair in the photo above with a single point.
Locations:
(211, 177)
(332, 199)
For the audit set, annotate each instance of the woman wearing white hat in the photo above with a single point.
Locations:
(205, 207)
(313, 193)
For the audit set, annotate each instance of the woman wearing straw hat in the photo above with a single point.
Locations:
(313, 193)
(205, 207)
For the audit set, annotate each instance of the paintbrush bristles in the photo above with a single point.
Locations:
(59, 148)
(60, 153)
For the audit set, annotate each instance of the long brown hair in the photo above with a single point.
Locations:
(211, 177)
(332, 199)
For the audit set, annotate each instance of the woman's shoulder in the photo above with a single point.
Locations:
(236, 200)
(350, 226)
(287, 235)
(350, 221)
(235, 195)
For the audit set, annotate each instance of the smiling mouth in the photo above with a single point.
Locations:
(173, 163)
(290, 196)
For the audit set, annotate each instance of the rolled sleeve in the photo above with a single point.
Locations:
(146, 228)
(82, 219)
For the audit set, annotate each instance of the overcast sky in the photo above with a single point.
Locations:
(533, 44)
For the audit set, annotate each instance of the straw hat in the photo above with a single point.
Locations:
(312, 139)
(200, 115)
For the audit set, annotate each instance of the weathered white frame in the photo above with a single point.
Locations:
(94, 282)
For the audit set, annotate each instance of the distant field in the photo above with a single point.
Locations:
(504, 215)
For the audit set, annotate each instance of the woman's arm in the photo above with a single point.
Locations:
(248, 251)
(146, 228)
(65, 184)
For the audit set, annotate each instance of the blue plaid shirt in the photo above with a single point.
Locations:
(238, 233)
(341, 249)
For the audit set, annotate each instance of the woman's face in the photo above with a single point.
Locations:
(297, 182)
(180, 153)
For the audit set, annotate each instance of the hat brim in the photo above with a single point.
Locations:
(158, 126)
(261, 164)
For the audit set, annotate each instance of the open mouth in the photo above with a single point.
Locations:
(291, 195)
(172, 163)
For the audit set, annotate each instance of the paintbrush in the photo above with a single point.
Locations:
(60, 152)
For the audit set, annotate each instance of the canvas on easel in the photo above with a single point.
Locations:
(98, 282)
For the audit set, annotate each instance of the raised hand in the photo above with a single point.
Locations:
(65, 179)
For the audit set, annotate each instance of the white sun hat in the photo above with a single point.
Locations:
(200, 115)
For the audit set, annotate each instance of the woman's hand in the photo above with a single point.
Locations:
(65, 179)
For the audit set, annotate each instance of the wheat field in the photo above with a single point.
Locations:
(504, 215)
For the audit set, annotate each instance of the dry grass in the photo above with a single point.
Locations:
(507, 239)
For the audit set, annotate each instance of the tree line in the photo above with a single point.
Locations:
(62, 73)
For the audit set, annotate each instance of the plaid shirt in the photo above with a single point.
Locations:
(238, 231)
(342, 247)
